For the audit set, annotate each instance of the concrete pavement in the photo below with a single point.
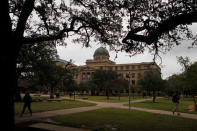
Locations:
(43, 115)
(47, 114)
(121, 105)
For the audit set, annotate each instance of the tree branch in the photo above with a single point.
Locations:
(43, 38)
(56, 36)
(165, 26)
(43, 18)
(26, 11)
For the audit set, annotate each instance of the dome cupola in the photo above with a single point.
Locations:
(101, 51)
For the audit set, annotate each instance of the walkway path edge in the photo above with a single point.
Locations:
(99, 105)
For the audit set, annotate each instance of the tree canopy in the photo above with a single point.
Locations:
(103, 79)
(32, 56)
(56, 20)
(139, 24)
(191, 77)
(159, 24)
(151, 81)
(185, 82)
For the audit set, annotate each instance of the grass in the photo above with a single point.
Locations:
(166, 104)
(112, 99)
(108, 119)
(49, 106)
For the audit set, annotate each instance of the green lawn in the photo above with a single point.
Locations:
(166, 104)
(124, 120)
(48, 106)
(112, 99)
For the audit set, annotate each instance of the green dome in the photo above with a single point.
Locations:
(101, 51)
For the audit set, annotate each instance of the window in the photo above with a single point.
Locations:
(133, 75)
(116, 68)
(121, 67)
(133, 67)
(88, 75)
(110, 68)
(83, 76)
(147, 66)
(133, 82)
(139, 75)
(127, 67)
(139, 66)
(101, 68)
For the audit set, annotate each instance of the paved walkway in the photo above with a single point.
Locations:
(47, 114)
(121, 105)
(41, 115)
(98, 106)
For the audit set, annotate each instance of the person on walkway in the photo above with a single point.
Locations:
(175, 100)
(27, 103)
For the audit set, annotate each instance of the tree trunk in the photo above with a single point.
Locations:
(133, 93)
(119, 96)
(107, 94)
(194, 99)
(74, 95)
(8, 81)
(8, 71)
(154, 97)
(8, 58)
(51, 93)
(17, 96)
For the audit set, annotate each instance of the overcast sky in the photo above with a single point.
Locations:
(169, 64)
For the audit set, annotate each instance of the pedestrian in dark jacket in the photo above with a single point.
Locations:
(27, 103)
(175, 100)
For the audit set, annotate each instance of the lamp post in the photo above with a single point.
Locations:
(128, 76)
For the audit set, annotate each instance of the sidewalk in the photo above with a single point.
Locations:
(47, 114)
(99, 105)
(121, 105)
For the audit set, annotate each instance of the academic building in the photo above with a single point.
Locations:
(101, 61)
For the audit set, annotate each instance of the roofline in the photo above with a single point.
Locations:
(63, 61)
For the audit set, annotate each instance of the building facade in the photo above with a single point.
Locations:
(101, 61)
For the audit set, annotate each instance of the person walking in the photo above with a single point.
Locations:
(27, 103)
(175, 100)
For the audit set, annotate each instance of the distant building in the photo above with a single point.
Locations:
(101, 61)
(64, 63)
